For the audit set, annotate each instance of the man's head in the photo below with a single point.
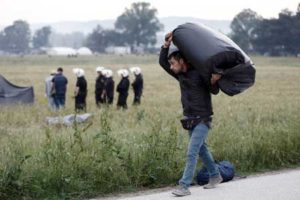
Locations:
(178, 62)
(107, 73)
(123, 73)
(100, 70)
(60, 70)
(78, 72)
(136, 70)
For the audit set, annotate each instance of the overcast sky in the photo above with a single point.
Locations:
(34, 11)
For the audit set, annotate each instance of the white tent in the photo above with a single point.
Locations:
(119, 50)
(61, 51)
(84, 51)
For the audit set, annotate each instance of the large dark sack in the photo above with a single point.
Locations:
(226, 170)
(212, 52)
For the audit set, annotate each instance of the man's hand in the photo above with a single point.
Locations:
(168, 39)
(214, 78)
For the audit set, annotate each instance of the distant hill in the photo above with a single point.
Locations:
(169, 24)
(85, 27)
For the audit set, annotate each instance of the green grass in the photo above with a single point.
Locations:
(144, 146)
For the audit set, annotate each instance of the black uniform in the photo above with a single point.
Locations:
(195, 92)
(122, 89)
(80, 99)
(109, 90)
(99, 87)
(137, 86)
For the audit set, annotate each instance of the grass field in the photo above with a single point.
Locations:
(144, 146)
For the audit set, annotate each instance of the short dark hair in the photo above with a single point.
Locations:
(60, 69)
(177, 55)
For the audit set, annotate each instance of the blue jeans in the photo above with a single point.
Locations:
(197, 146)
(59, 101)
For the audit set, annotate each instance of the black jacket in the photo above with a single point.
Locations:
(109, 88)
(82, 85)
(138, 85)
(195, 92)
(99, 86)
(60, 84)
(122, 89)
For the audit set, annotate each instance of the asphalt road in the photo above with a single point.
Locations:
(282, 185)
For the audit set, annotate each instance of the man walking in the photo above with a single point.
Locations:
(197, 110)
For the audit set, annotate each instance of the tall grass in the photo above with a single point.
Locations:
(144, 146)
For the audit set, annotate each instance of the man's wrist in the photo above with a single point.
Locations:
(165, 45)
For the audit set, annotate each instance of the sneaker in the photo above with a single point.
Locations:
(181, 191)
(213, 181)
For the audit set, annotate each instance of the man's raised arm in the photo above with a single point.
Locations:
(163, 57)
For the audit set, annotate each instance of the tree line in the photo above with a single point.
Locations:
(276, 36)
(137, 26)
(16, 38)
